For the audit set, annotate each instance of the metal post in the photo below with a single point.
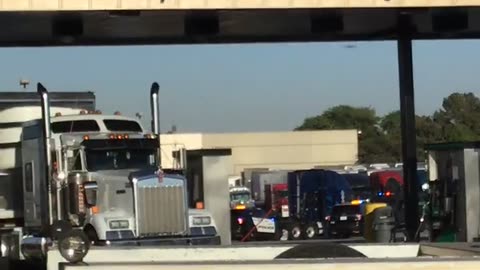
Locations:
(407, 111)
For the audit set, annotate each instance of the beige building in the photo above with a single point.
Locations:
(274, 150)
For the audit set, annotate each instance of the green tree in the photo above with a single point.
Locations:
(342, 117)
(457, 120)
(427, 131)
(459, 117)
(372, 142)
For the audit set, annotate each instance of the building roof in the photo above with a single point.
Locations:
(451, 146)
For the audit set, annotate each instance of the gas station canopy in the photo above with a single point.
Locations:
(129, 22)
(117, 22)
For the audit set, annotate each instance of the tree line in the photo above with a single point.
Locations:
(457, 119)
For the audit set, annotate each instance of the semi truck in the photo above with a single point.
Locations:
(240, 198)
(262, 178)
(300, 206)
(94, 178)
(276, 198)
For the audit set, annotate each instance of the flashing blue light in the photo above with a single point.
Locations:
(380, 193)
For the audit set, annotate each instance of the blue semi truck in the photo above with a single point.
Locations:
(311, 197)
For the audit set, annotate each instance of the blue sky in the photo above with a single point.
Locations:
(267, 87)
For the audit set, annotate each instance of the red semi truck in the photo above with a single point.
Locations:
(276, 198)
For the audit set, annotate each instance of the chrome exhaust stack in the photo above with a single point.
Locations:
(47, 133)
(42, 91)
(155, 110)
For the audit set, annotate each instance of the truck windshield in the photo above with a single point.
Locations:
(119, 159)
(240, 196)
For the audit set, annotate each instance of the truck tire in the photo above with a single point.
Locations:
(310, 231)
(295, 232)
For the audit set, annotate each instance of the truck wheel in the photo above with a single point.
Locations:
(310, 231)
(295, 232)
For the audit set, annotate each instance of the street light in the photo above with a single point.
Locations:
(24, 83)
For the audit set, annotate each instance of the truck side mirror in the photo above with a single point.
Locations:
(91, 193)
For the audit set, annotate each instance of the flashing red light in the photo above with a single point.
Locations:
(119, 137)
(388, 193)
(327, 218)
(240, 221)
(86, 137)
(126, 136)
(111, 136)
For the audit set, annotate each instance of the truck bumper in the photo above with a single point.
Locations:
(180, 241)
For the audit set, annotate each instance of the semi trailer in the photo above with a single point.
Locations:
(93, 178)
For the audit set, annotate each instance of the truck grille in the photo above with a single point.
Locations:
(161, 210)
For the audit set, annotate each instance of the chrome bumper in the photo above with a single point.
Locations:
(180, 241)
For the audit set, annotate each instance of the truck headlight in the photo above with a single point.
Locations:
(202, 220)
(119, 224)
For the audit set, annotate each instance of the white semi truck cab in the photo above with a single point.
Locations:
(94, 178)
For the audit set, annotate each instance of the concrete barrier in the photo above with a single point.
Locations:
(225, 254)
(297, 265)
(388, 251)
(172, 254)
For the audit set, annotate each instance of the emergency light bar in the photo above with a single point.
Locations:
(386, 194)
(356, 202)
